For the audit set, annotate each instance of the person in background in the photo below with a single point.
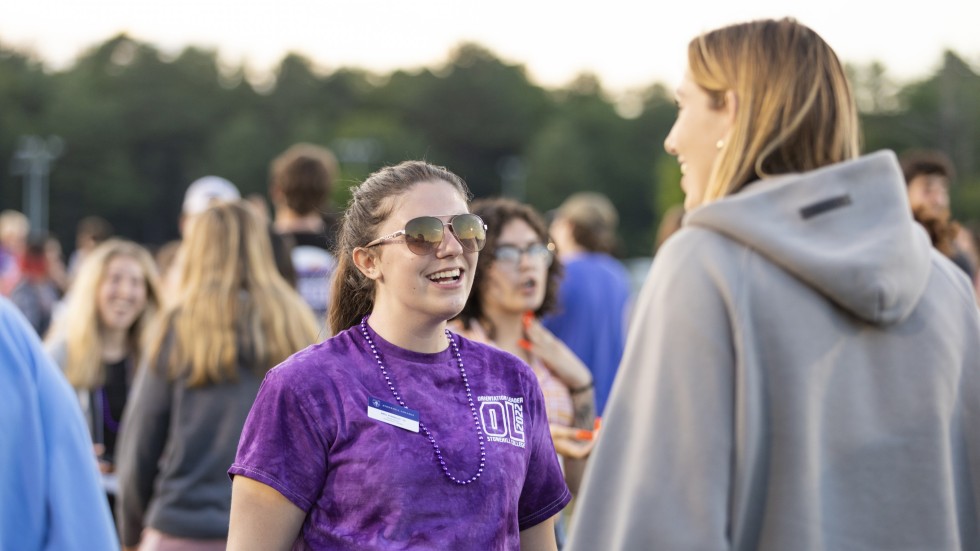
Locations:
(593, 302)
(97, 340)
(203, 193)
(52, 498)
(516, 281)
(14, 230)
(300, 182)
(37, 293)
(396, 433)
(802, 366)
(232, 318)
(928, 175)
(90, 232)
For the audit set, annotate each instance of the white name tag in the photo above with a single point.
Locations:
(393, 414)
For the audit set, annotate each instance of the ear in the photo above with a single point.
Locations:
(367, 263)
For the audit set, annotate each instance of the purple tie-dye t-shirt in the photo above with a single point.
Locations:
(365, 484)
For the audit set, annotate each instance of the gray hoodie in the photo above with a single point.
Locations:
(802, 373)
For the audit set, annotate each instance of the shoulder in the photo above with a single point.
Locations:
(16, 331)
(947, 273)
(327, 363)
(498, 368)
(694, 249)
(474, 350)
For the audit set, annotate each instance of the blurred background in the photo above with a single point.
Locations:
(113, 108)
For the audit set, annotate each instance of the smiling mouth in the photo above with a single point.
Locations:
(446, 276)
(529, 284)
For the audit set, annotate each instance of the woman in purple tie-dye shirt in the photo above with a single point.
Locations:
(396, 433)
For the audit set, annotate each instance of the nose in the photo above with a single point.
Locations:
(669, 143)
(450, 245)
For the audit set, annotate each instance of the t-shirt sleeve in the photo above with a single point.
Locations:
(545, 493)
(284, 444)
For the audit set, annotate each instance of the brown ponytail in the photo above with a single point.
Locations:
(369, 206)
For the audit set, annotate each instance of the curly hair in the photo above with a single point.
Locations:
(496, 213)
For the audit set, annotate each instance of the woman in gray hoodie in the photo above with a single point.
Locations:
(803, 369)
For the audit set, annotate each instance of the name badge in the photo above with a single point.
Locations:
(393, 414)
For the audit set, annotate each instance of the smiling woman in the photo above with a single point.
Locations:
(397, 433)
(773, 394)
(97, 340)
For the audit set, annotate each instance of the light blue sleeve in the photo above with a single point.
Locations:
(52, 496)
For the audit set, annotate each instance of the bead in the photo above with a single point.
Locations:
(469, 398)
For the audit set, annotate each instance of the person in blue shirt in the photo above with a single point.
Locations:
(595, 292)
(52, 496)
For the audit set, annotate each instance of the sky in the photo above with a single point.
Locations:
(629, 44)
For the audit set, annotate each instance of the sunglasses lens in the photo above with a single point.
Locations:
(471, 231)
(423, 235)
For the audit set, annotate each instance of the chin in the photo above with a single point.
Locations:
(452, 310)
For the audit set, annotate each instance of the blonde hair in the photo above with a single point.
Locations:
(795, 111)
(80, 325)
(230, 299)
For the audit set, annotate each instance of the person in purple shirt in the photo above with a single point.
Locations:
(396, 433)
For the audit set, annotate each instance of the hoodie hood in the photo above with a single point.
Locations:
(846, 230)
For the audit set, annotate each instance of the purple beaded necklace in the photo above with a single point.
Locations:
(469, 398)
(110, 421)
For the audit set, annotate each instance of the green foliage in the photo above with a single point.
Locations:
(139, 126)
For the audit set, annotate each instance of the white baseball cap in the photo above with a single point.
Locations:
(207, 191)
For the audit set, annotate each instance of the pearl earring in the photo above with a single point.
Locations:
(720, 144)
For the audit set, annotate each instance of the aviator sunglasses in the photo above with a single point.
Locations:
(424, 234)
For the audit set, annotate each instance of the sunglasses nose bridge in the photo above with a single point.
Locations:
(454, 242)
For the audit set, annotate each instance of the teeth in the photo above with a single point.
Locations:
(683, 168)
(447, 274)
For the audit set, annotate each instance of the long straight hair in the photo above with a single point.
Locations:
(795, 110)
(370, 205)
(80, 324)
(230, 300)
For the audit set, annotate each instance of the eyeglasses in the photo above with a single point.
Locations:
(424, 234)
(536, 252)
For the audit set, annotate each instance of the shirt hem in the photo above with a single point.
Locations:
(271, 481)
(545, 512)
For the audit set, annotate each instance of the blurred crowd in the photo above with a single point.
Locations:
(165, 347)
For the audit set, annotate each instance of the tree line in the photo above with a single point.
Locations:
(138, 125)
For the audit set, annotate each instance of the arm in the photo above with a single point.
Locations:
(261, 518)
(540, 537)
(49, 478)
(142, 438)
(560, 359)
(660, 476)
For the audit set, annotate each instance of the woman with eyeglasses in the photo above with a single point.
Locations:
(396, 433)
(516, 282)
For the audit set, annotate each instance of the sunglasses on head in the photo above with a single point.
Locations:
(424, 234)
